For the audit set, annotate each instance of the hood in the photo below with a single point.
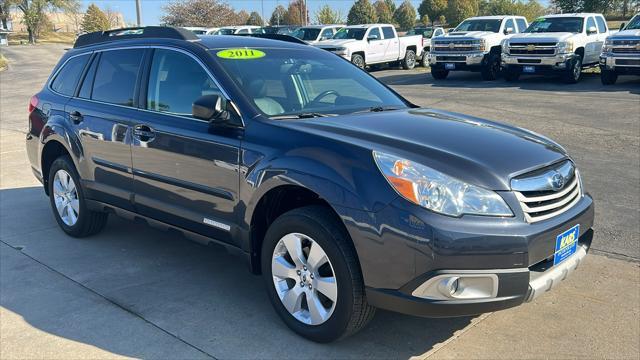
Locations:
(541, 37)
(334, 43)
(474, 150)
(462, 35)
(627, 33)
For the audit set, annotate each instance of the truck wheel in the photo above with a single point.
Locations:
(491, 69)
(511, 76)
(425, 58)
(358, 61)
(68, 202)
(608, 77)
(574, 72)
(313, 276)
(439, 74)
(409, 61)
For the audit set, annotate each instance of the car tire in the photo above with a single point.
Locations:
(409, 61)
(318, 231)
(68, 201)
(491, 70)
(358, 60)
(608, 77)
(511, 76)
(424, 62)
(573, 73)
(439, 74)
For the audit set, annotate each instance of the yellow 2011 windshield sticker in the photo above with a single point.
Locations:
(240, 54)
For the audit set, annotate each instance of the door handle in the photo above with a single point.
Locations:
(76, 117)
(144, 133)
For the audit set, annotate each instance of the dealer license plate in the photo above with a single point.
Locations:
(449, 66)
(529, 69)
(566, 244)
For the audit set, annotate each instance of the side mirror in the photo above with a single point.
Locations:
(591, 30)
(211, 108)
(622, 26)
(372, 37)
(508, 31)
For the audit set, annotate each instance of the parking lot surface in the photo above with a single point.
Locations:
(133, 291)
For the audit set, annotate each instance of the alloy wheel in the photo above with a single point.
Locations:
(411, 59)
(65, 196)
(304, 279)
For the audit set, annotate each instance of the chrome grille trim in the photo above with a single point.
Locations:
(537, 198)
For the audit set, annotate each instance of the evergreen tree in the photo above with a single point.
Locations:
(278, 16)
(458, 10)
(405, 16)
(432, 8)
(255, 19)
(383, 12)
(326, 15)
(362, 12)
(94, 20)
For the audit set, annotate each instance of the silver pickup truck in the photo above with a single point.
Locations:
(621, 53)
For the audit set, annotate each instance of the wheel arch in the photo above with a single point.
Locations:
(56, 140)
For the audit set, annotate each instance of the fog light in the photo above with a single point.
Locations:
(448, 286)
(462, 286)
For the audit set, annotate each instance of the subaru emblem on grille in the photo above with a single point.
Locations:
(531, 47)
(557, 181)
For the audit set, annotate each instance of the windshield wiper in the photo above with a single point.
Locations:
(378, 109)
(308, 115)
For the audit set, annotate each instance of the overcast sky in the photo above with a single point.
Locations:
(152, 9)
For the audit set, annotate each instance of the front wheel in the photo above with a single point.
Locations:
(409, 61)
(425, 58)
(491, 69)
(68, 201)
(358, 61)
(608, 77)
(574, 71)
(313, 276)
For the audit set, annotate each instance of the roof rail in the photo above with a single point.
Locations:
(145, 32)
(281, 37)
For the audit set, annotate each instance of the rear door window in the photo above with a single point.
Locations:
(116, 76)
(67, 79)
(388, 32)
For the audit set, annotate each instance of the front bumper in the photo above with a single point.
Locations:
(624, 64)
(403, 246)
(556, 62)
(468, 59)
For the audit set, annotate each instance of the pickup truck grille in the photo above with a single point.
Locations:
(453, 46)
(539, 202)
(532, 48)
(626, 47)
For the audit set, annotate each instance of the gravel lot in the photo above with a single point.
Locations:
(136, 292)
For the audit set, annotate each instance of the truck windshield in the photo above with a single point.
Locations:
(307, 34)
(295, 83)
(425, 32)
(556, 24)
(350, 33)
(634, 24)
(492, 25)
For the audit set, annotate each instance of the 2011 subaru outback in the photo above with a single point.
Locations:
(342, 194)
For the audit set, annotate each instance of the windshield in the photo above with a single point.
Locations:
(350, 33)
(634, 23)
(225, 32)
(425, 32)
(480, 25)
(556, 24)
(288, 82)
(199, 32)
(307, 34)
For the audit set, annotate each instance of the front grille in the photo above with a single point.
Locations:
(532, 48)
(454, 46)
(538, 201)
(450, 58)
(529, 61)
(626, 50)
(629, 62)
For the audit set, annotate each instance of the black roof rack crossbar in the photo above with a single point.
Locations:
(164, 32)
(281, 37)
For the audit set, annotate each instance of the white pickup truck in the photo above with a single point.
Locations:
(428, 33)
(374, 44)
(621, 53)
(474, 46)
(562, 43)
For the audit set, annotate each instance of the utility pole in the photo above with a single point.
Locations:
(138, 13)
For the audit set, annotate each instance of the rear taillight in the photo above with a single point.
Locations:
(33, 103)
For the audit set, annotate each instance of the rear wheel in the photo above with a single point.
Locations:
(68, 202)
(573, 73)
(313, 276)
(439, 74)
(608, 77)
(491, 69)
(358, 61)
(409, 61)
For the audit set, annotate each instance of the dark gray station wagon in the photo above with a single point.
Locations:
(342, 194)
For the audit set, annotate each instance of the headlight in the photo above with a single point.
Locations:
(505, 46)
(341, 50)
(480, 44)
(607, 45)
(565, 47)
(436, 191)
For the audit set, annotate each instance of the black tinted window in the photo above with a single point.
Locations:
(176, 81)
(388, 32)
(87, 83)
(115, 79)
(67, 79)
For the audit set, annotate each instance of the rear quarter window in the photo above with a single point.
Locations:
(67, 78)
